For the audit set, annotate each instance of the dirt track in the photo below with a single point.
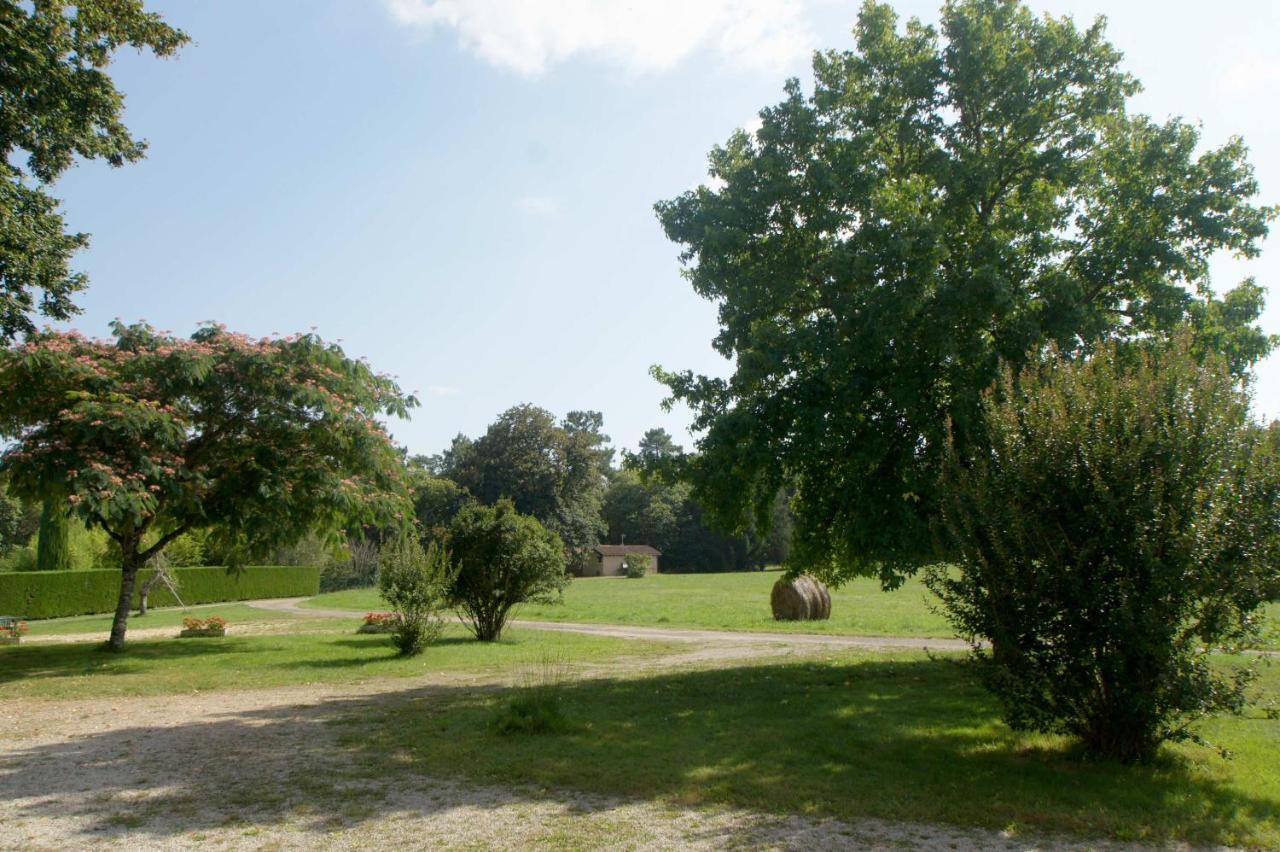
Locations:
(265, 769)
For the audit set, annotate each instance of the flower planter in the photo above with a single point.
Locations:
(202, 632)
(195, 628)
(379, 622)
(11, 630)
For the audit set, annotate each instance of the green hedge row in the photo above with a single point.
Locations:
(51, 594)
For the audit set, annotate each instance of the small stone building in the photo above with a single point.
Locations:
(605, 560)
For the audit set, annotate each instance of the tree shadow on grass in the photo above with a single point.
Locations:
(371, 643)
(910, 740)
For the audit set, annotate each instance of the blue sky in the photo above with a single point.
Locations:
(462, 190)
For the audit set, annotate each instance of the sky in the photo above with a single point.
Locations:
(462, 190)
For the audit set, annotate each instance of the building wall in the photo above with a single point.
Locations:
(614, 566)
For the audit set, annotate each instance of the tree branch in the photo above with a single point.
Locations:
(102, 522)
(164, 539)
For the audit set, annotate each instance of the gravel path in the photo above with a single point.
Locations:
(265, 769)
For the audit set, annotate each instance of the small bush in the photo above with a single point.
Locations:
(537, 707)
(414, 582)
(1120, 527)
(503, 559)
(635, 565)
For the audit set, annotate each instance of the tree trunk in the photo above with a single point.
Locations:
(145, 590)
(128, 575)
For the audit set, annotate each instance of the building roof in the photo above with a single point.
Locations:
(624, 549)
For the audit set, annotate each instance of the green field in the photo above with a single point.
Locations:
(737, 601)
(327, 651)
(895, 736)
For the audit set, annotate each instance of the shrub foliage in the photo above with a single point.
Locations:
(635, 565)
(503, 558)
(415, 583)
(1121, 526)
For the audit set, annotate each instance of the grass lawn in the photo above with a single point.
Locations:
(735, 601)
(895, 736)
(169, 617)
(328, 652)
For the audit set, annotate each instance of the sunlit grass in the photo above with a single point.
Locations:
(894, 736)
(734, 601)
(328, 652)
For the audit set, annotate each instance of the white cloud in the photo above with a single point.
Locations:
(1251, 73)
(538, 205)
(529, 36)
(443, 390)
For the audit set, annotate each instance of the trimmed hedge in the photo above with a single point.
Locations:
(51, 594)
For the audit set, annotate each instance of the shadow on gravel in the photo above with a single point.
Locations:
(910, 739)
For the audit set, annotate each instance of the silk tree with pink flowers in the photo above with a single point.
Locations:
(148, 436)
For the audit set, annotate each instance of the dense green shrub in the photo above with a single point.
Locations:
(51, 594)
(17, 523)
(635, 565)
(502, 558)
(1121, 526)
(414, 582)
(187, 550)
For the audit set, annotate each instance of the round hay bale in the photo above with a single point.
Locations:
(800, 599)
(823, 612)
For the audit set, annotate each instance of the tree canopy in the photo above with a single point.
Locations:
(57, 103)
(552, 471)
(148, 436)
(947, 199)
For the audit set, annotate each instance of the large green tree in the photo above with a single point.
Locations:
(552, 471)
(58, 103)
(946, 199)
(149, 436)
